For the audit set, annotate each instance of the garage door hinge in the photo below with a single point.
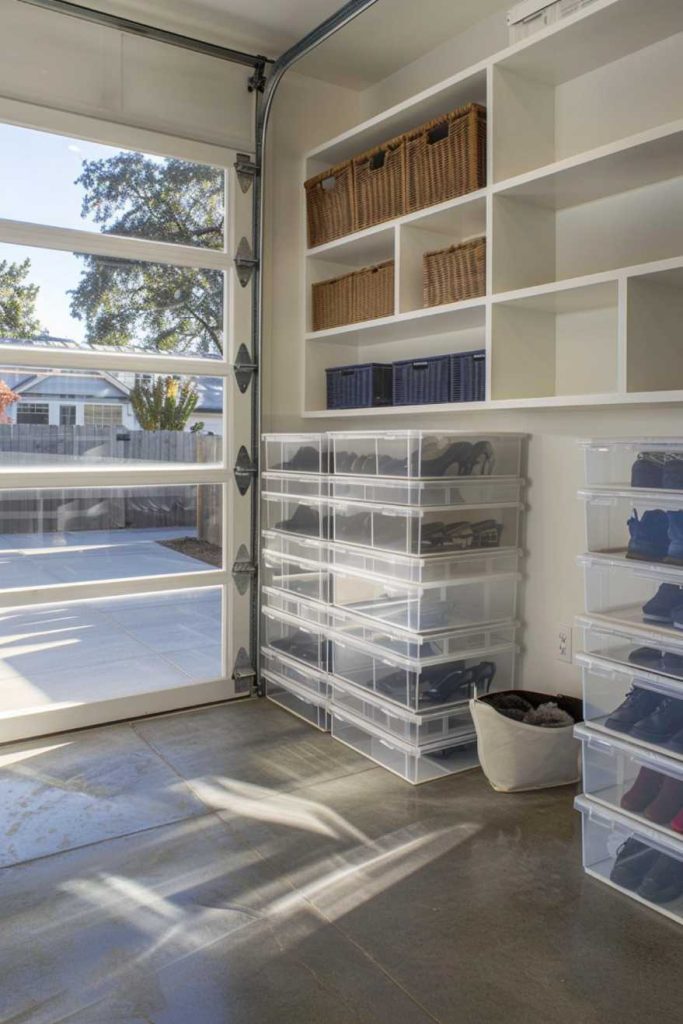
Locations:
(246, 170)
(245, 470)
(243, 570)
(244, 368)
(245, 262)
(257, 81)
(244, 674)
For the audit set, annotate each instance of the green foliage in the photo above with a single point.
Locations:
(164, 308)
(165, 404)
(18, 318)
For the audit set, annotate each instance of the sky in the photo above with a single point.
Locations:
(37, 175)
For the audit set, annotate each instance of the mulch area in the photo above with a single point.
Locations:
(193, 548)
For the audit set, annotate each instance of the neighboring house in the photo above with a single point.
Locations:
(92, 397)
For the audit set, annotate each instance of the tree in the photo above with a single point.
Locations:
(164, 405)
(18, 316)
(7, 398)
(164, 308)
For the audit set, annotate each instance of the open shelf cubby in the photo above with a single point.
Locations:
(581, 215)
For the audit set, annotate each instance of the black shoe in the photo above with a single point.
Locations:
(307, 459)
(455, 460)
(663, 882)
(634, 860)
(672, 664)
(305, 520)
(675, 743)
(452, 683)
(343, 461)
(638, 704)
(647, 657)
(662, 723)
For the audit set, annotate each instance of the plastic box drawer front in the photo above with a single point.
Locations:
(478, 490)
(605, 835)
(422, 454)
(466, 602)
(414, 764)
(634, 462)
(421, 685)
(315, 682)
(295, 453)
(292, 638)
(301, 485)
(301, 517)
(631, 593)
(302, 609)
(309, 580)
(632, 780)
(414, 569)
(435, 531)
(641, 525)
(312, 549)
(287, 695)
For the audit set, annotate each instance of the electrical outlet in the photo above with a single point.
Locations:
(563, 642)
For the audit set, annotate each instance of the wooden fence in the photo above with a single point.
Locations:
(108, 509)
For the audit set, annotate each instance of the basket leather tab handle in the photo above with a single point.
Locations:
(437, 133)
(348, 373)
(327, 184)
(377, 160)
(420, 365)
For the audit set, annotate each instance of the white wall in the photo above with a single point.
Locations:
(553, 591)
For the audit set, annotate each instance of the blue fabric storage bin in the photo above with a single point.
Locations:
(361, 386)
(422, 381)
(468, 376)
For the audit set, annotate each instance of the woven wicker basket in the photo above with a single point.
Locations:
(450, 275)
(374, 292)
(379, 183)
(446, 157)
(329, 204)
(362, 295)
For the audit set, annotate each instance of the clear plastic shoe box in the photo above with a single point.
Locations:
(427, 454)
(607, 685)
(302, 517)
(461, 602)
(633, 781)
(311, 549)
(297, 607)
(409, 530)
(619, 589)
(468, 491)
(298, 576)
(419, 730)
(657, 883)
(297, 700)
(302, 485)
(315, 682)
(295, 453)
(449, 670)
(637, 649)
(656, 516)
(611, 462)
(296, 638)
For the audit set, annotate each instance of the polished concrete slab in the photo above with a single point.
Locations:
(215, 866)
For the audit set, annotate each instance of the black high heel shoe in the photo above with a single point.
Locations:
(455, 460)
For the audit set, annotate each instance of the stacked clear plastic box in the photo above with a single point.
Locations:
(632, 667)
(393, 577)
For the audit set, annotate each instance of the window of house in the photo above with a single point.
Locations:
(33, 412)
(67, 415)
(102, 415)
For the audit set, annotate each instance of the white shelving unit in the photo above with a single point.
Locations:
(582, 216)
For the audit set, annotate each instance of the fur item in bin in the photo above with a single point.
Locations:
(511, 705)
(549, 716)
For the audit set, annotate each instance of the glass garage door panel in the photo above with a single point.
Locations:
(107, 649)
(84, 535)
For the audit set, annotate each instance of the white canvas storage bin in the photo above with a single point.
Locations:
(426, 454)
(408, 530)
(623, 461)
(302, 517)
(315, 682)
(302, 485)
(414, 764)
(310, 580)
(605, 857)
(607, 686)
(516, 756)
(656, 518)
(632, 781)
(417, 729)
(449, 671)
(639, 650)
(295, 638)
(430, 607)
(297, 700)
(632, 593)
(295, 453)
(470, 491)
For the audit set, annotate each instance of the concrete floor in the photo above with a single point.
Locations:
(233, 865)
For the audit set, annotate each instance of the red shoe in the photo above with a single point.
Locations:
(677, 823)
(667, 803)
(643, 791)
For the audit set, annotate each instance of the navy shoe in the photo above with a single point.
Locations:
(648, 470)
(672, 664)
(672, 473)
(638, 704)
(663, 882)
(675, 553)
(660, 607)
(647, 657)
(649, 536)
(664, 722)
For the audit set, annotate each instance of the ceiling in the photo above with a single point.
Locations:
(389, 35)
